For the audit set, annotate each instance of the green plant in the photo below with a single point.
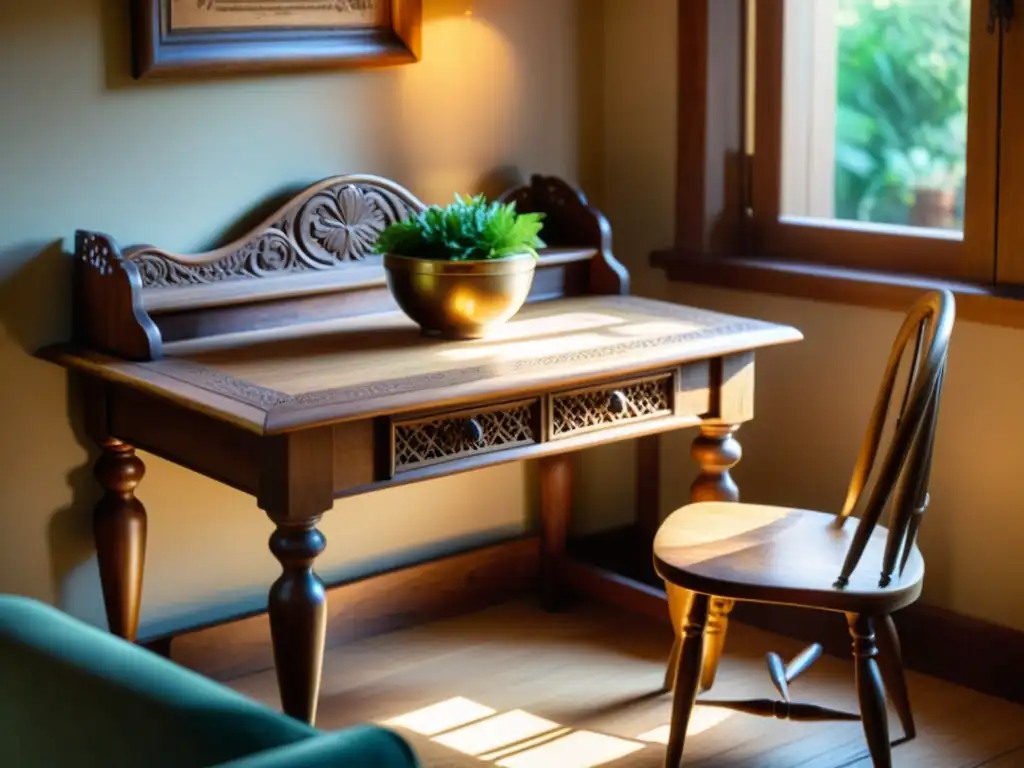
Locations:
(902, 103)
(465, 230)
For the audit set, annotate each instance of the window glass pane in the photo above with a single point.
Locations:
(875, 111)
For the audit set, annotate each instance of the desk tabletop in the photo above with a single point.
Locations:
(376, 364)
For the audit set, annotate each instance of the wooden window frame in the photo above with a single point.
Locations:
(721, 239)
(970, 257)
(1010, 229)
(809, 145)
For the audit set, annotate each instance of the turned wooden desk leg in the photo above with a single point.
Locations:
(119, 529)
(298, 617)
(555, 508)
(648, 487)
(716, 452)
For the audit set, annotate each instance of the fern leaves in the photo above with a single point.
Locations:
(466, 230)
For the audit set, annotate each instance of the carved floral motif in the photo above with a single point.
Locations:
(343, 223)
(336, 226)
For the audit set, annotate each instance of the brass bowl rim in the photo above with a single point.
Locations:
(508, 265)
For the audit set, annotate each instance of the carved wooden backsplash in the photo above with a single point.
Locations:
(330, 226)
(307, 266)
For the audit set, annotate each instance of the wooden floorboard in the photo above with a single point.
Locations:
(384, 602)
(592, 671)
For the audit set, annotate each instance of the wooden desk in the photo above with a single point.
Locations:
(289, 394)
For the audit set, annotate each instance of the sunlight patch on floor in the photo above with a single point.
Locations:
(441, 717)
(580, 749)
(519, 739)
(702, 719)
(497, 754)
(496, 732)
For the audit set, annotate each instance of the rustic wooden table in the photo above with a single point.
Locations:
(278, 365)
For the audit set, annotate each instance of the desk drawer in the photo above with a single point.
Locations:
(424, 441)
(586, 410)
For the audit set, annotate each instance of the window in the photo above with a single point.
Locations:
(881, 135)
(874, 112)
(867, 116)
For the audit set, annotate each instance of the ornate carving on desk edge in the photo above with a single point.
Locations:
(220, 383)
(583, 410)
(328, 226)
(425, 442)
(107, 303)
(98, 252)
(266, 399)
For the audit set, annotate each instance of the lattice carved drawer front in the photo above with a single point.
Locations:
(446, 437)
(598, 408)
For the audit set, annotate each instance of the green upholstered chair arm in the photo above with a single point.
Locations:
(76, 696)
(362, 747)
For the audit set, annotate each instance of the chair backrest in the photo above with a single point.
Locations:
(902, 479)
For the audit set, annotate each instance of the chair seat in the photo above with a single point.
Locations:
(778, 555)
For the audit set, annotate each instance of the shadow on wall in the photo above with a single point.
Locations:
(69, 535)
(35, 310)
(35, 301)
(117, 55)
(499, 180)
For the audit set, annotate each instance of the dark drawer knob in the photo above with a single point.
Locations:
(617, 403)
(473, 431)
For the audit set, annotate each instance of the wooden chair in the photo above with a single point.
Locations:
(720, 552)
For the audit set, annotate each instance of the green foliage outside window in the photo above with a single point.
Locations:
(901, 123)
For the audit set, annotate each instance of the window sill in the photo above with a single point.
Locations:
(977, 303)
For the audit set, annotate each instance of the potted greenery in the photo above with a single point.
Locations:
(460, 270)
(932, 180)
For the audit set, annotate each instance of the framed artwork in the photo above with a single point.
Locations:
(174, 38)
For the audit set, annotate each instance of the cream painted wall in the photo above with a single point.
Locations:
(813, 398)
(81, 145)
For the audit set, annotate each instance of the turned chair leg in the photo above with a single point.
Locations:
(688, 673)
(714, 640)
(672, 667)
(714, 636)
(870, 692)
(678, 607)
(890, 664)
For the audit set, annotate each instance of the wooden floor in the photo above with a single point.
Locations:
(579, 686)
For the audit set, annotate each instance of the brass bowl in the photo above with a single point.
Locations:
(459, 299)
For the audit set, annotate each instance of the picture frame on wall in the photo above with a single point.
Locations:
(181, 38)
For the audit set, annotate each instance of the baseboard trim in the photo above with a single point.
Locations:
(611, 588)
(386, 602)
(958, 649)
(952, 647)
